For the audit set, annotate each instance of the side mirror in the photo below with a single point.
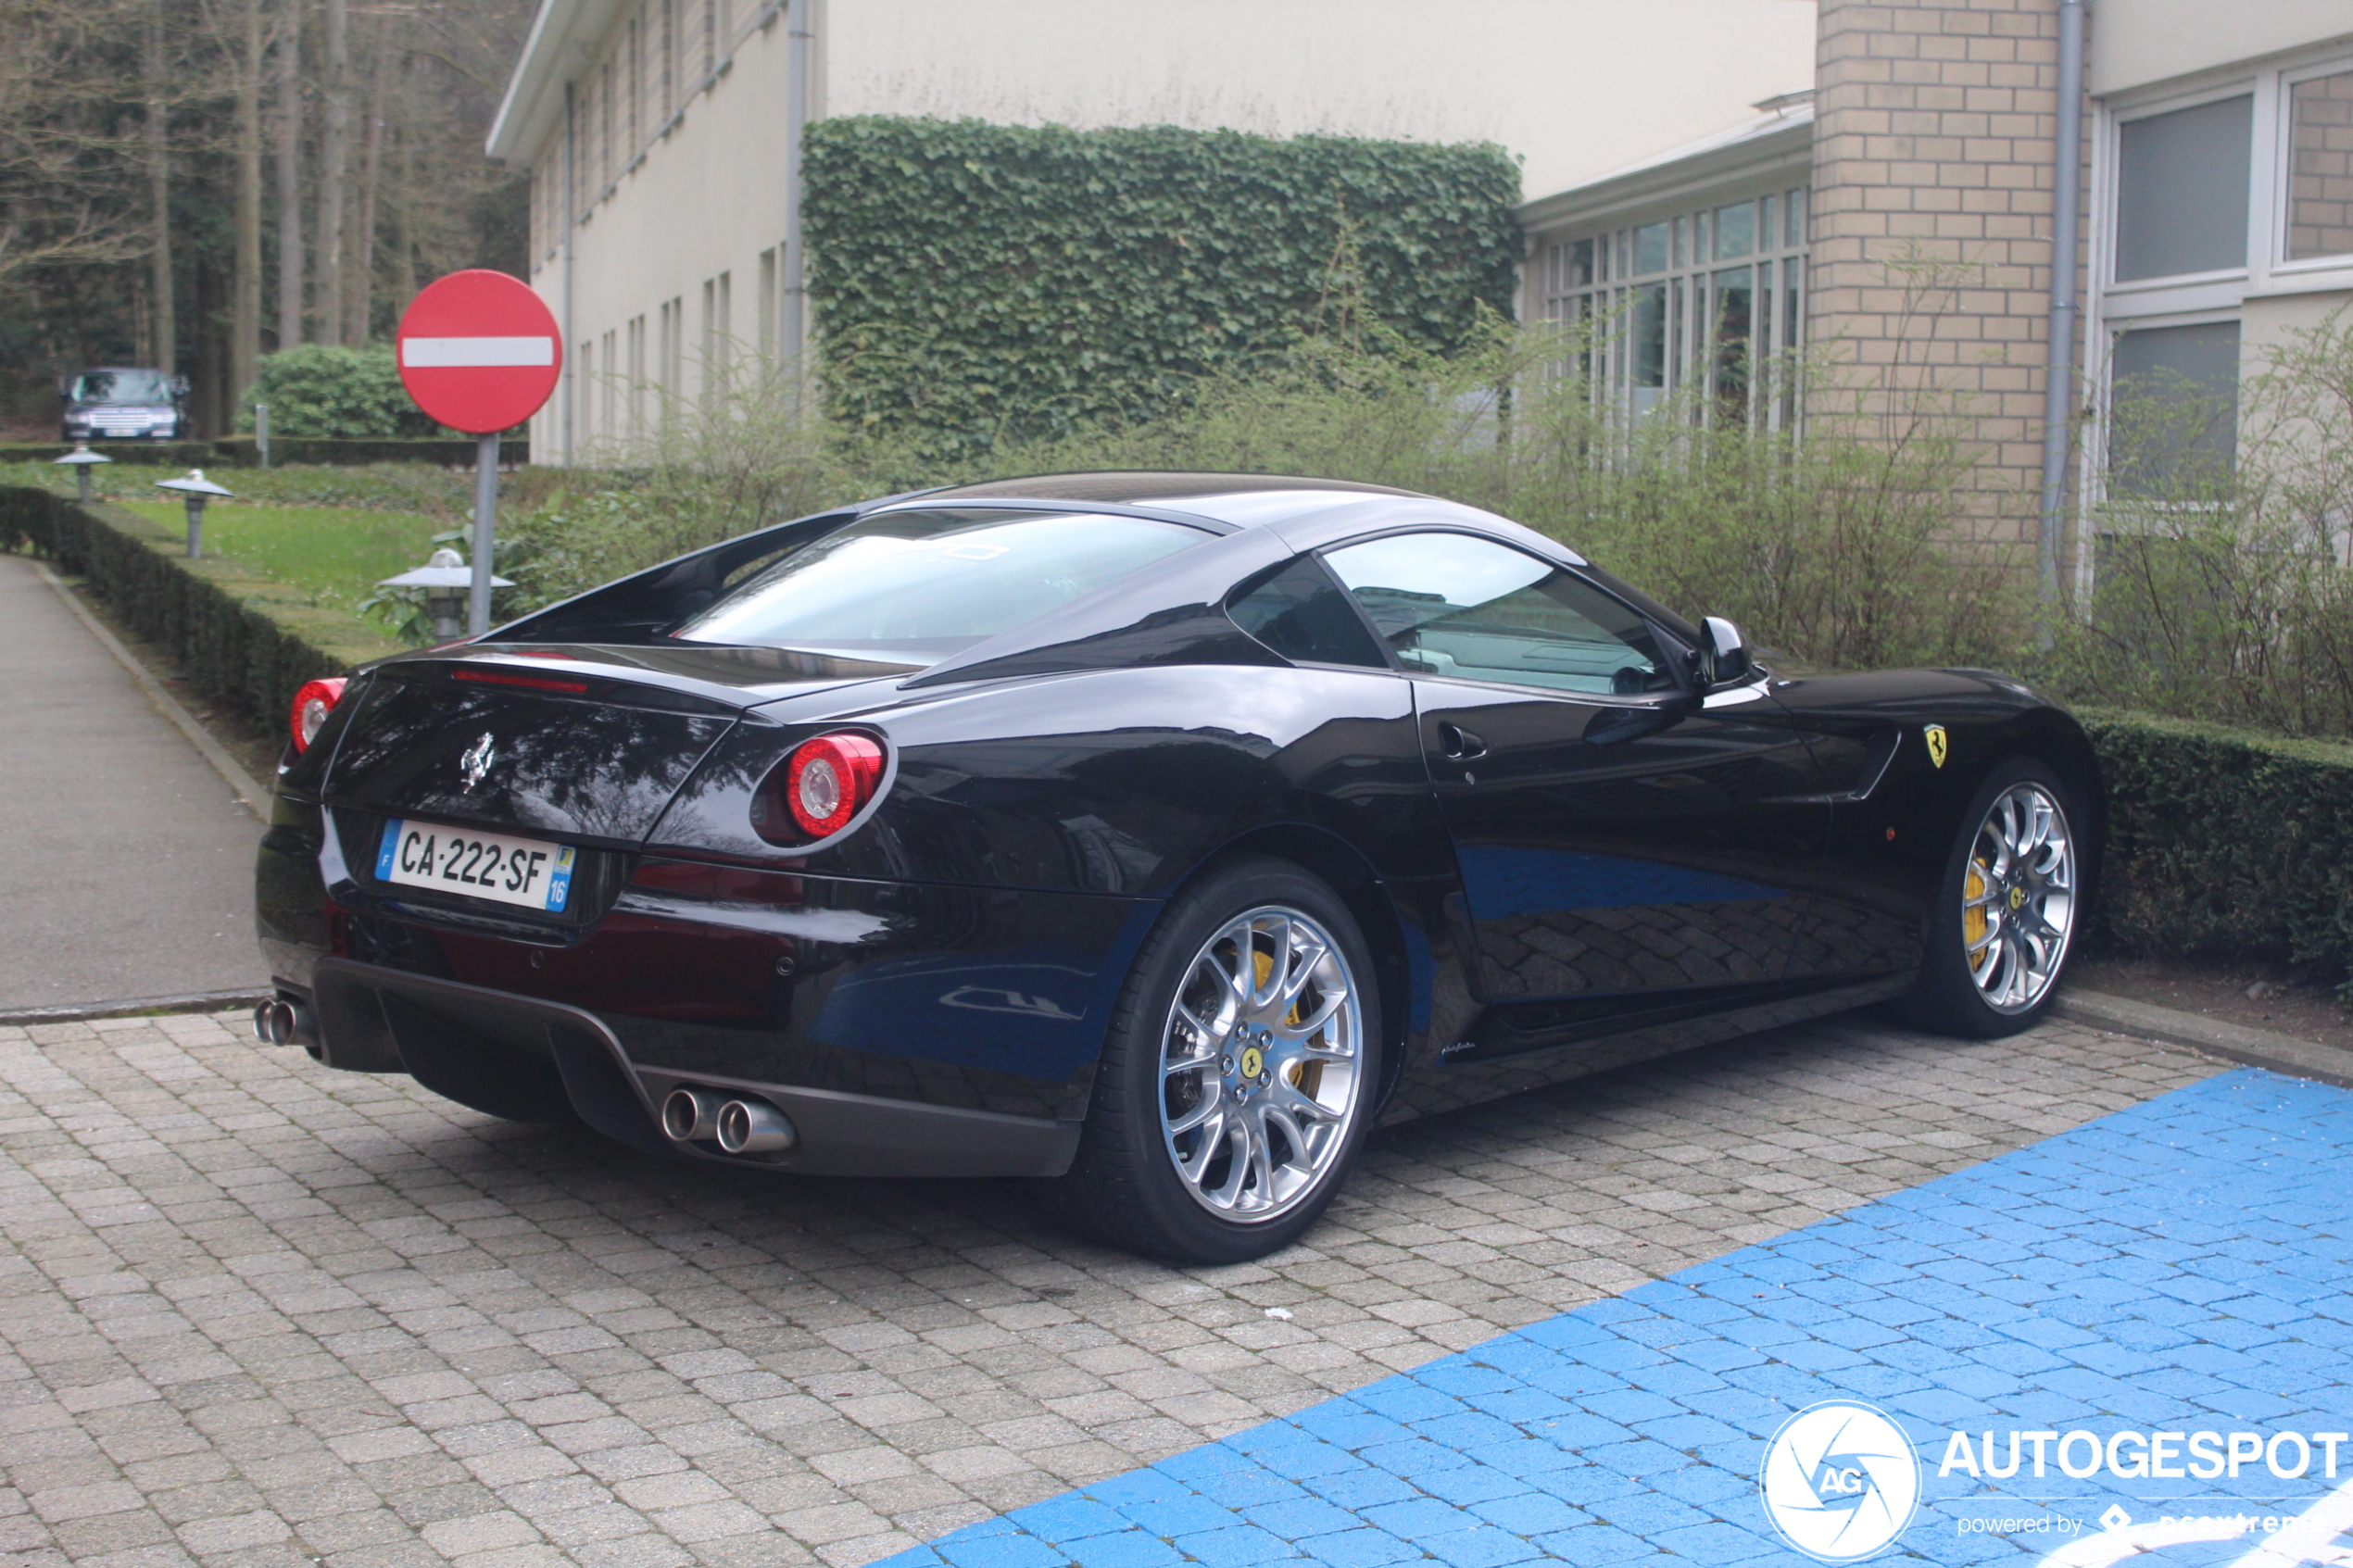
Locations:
(1723, 655)
(179, 386)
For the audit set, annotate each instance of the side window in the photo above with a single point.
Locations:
(1452, 605)
(1300, 613)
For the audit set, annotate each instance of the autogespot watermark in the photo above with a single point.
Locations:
(1843, 1481)
(2132, 1456)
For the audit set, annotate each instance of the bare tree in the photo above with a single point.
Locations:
(62, 195)
(335, 151)
(154, 65)
(247, 49)
(289, 171)
(361, 294)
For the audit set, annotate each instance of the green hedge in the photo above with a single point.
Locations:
(974, 282)
(247, 641)
(172, 454)
(239, 451)
(2223, 843)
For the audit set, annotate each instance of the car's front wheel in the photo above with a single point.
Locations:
(2005, 916)
(1239, 1073)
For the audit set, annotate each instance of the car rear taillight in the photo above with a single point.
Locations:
(312, 706)
(817, 789)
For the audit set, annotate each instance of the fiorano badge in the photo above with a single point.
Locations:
(1934, 735)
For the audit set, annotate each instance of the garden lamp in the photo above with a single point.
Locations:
(446, 578)
(196, 490)
(81, 459)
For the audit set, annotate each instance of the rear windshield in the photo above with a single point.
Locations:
(121, 387)
(915, 587)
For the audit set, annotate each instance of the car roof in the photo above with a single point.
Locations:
(1240, 500)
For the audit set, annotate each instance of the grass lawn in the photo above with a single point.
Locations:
(337, 553)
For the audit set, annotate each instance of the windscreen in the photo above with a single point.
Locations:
(123, 386)
(914, 587)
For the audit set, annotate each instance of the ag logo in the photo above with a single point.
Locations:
(1934, 735)
(1840, 1481)
(1253, 1062)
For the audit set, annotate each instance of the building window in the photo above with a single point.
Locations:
(670, 369)
(633, 50)
(2181, 190)
(668, 45)
(605, 125)
(609, 392)
(2175, 391)
(636, 375)
(718, 306)
(1671, 315)
(768, 305)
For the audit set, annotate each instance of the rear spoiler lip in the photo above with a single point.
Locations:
(760, 676)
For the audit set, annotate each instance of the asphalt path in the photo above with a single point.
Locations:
(126, 862)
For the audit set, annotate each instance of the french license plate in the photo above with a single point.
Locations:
(528, 872)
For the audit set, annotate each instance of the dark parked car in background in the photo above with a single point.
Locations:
(1154, 834)
(123, 403)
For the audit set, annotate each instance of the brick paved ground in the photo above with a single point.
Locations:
(258, 1313)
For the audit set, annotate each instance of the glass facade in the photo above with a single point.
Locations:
(1692, 303)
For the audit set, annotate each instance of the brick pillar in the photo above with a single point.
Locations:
(1933, 145)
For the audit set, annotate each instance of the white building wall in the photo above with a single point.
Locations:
(1574, 87)
(2137, 42)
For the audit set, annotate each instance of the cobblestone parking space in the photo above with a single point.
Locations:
(260, 1313)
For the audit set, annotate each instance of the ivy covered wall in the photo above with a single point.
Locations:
(974, 282)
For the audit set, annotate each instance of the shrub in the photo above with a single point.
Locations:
(1832, 549)
(2223, 586)
(2225, 844)
(317, 390)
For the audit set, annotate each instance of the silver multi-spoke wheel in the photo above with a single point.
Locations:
(1261, 1065)
(2018, 897)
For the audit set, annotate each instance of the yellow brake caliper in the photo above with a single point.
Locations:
(1973, 912)
(1306, 1076)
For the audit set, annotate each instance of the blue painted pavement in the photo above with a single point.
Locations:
(2174, 1272)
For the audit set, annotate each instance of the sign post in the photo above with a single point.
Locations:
(479, 351)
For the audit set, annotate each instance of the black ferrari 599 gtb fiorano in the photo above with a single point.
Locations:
(1156, 834)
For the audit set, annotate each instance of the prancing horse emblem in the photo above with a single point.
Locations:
(476, 759)
(1932, 733)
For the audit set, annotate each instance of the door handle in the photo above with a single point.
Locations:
(1458, 745)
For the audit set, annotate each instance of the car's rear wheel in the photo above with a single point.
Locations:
(1239, 1073)
(2005, 916)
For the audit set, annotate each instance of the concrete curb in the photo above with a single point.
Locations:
(2232, 1042)
(138, 1006)
(250, 794)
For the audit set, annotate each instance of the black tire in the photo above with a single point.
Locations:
(1125, 1185)
(1948, 997)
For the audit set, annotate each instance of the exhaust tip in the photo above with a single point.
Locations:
(281, 1022)
(753, 1126)
(690, 1116)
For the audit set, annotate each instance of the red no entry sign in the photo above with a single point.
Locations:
(479, 351)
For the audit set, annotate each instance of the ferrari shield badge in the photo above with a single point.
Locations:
(1934, 735)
